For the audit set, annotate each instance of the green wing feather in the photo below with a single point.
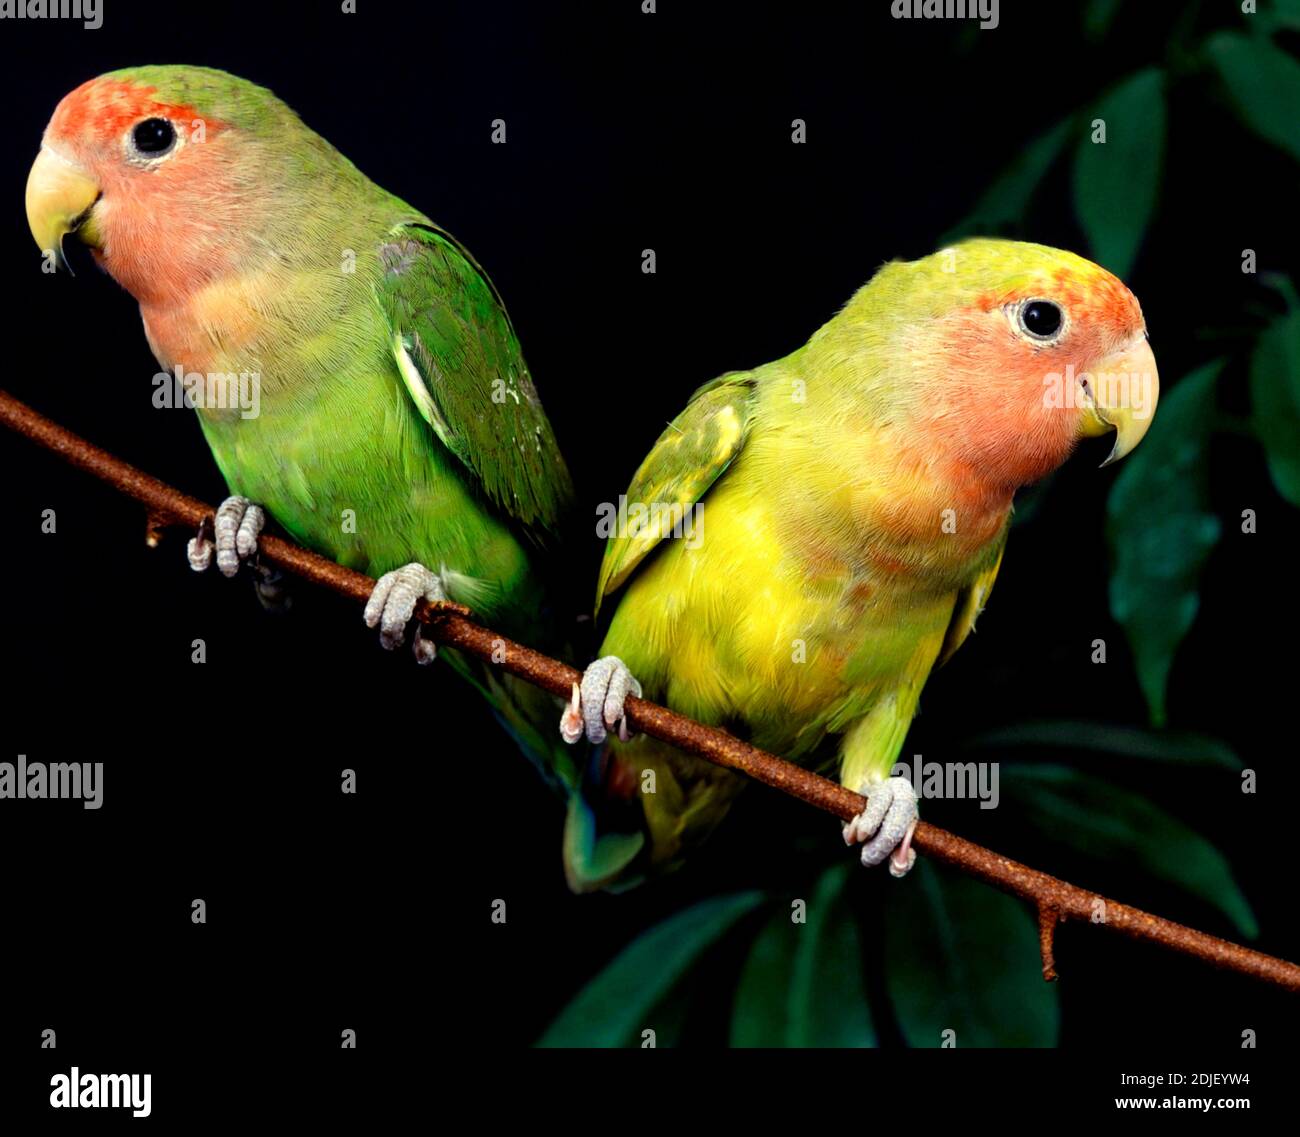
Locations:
(699, 444)
(461, 362)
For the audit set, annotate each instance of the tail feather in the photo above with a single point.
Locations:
(604, 831)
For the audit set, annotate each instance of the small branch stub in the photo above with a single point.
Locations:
(1048, 917)
(154, 525)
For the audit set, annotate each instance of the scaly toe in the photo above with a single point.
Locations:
(392, 604)
(200, 549)
(903, 858)
(896, 827)
(606, 685)
(880, 797)
(572, 727)
(236, 526)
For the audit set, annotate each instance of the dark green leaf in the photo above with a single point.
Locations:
(1116, 181)
(1160, 530)
(1275, 402)
(1283, 13)
(1180, 747)
(802, 983)
(1097, 18)
(614, 1008)
(961, 956)
(1007, 199)
(1263, 82)
(1096, 817)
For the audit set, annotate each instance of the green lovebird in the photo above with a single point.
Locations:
(808, 540)
(393, 425)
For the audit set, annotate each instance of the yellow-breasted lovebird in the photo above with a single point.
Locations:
(810, 539)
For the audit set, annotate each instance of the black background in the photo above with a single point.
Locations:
(626, 131)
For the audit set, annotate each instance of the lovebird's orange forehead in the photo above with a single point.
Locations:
(1094, 294)
(102, 109)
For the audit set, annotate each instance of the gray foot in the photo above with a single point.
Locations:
(392, 604)
(886, 825)
(598, 702)
(232, 534)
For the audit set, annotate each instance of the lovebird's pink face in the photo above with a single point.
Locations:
(141, 181)
(1033, 358)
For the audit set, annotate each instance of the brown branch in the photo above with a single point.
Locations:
(1055, 900)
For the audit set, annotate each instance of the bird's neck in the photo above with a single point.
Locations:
(895, 488)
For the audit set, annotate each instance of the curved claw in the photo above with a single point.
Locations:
(597, 703)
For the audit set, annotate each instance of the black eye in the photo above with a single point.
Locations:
(1040, 318)
(153, 136)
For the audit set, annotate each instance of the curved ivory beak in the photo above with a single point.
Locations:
(60, 197)
(1121, 396)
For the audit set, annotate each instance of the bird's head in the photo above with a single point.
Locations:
(160, 170)
(1007, 353)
